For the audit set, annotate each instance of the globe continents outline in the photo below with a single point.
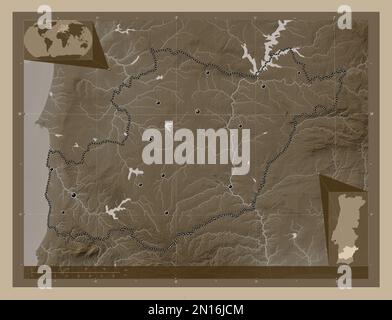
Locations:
(66, 38)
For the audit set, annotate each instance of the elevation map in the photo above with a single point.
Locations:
(192, 146)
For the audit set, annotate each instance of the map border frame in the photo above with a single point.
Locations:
(270, 276)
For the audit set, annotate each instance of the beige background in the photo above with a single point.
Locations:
(6, 290)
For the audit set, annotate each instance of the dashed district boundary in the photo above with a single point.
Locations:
(318, 110)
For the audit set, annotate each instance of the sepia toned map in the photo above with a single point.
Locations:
(238, 119)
